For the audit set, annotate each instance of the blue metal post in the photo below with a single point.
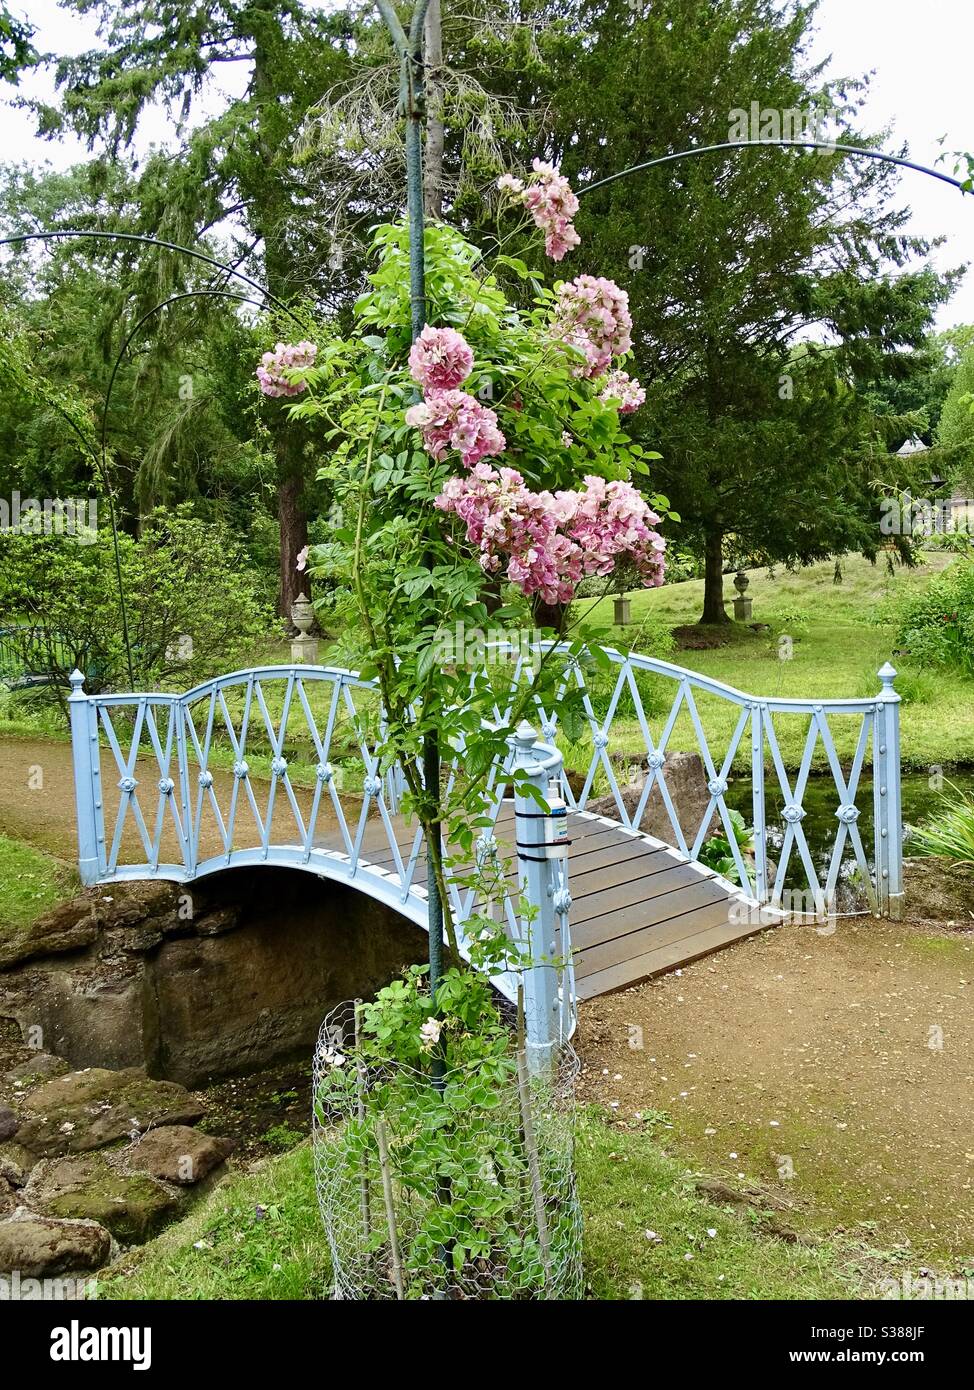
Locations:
(87, 781)
(887, 799)
(762, 889)
(537, 875)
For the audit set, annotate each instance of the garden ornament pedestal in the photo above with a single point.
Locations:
(742, 605)
(304, 647)
(622, 612)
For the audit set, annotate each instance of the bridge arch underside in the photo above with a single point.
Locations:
(229, 974)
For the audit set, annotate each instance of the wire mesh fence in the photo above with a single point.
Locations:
(457, 1187)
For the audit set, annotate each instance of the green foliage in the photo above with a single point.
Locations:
(955, 433)
(717, 853)
(194, 605)
(949, 834)
(458, 1158)
(16, 49)
(937, 625)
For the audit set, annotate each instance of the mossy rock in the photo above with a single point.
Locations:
(87, 1187)
(89, 1109)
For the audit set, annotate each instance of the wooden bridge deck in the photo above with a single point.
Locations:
(638, 907)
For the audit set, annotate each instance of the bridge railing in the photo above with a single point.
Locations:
(767, 757)
(281, 764)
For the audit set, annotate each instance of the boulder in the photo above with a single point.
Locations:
(68, 927)
(88, 1187)
(9, 1123)
(8, 1197)
(686, 781)
(38, 1246)
(88, 1109)
(178, 1154)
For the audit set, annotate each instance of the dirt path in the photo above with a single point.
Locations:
(836, 1070)
(37, 804)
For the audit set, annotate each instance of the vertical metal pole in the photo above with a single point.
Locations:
(87, 782)
(887, 797)
(539, 935)
(412, 103)
(762, 889)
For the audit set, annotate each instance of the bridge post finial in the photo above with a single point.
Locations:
(543, 872)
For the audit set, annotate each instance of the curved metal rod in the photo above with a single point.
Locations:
(155, 241)
(778, 144)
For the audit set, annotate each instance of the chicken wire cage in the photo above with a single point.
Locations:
(459, 1188)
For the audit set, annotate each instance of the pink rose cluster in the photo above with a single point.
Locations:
(623, 391)
(552, 540)
(592, 315)
(549, 198)
(285, 358)
(439, 360)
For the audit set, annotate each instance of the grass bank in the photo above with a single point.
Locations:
(31, 882)
(648, 1234)
(841, 634)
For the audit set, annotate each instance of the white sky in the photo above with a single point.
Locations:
(920, 51)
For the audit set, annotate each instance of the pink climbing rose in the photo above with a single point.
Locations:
(549, 198)
(275, 367)
(456, 420)
(591, 314)
(440, 359)
(552, 540)
(622, 390)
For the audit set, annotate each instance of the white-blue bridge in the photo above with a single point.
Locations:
(278, 765)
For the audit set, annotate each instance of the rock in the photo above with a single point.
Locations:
(247, 967)
(8, 1197)
(67, 927)
(41, 1067)
(15, 1163)
(686, 781)
(178, 1154)
(39, 1245)
(88, 1109)
(9, 1123)
(87, 1187)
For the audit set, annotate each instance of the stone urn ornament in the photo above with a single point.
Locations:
(304, 647)
(742, 604)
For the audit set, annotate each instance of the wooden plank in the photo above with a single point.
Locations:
(613, 930)
(661, 959)
(608, 902)
(655, 861)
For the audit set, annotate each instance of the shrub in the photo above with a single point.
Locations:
(937, 625)
(949, 834)
(193, 603)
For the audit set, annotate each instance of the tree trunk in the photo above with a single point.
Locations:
(549, 614)
(293, 523)
(433, 162)
(713, 583)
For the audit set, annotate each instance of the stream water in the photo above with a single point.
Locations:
(919, 797)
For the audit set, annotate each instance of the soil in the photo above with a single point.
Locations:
(833, 1070)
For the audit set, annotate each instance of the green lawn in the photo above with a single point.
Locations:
(259, 1236)
(30, 883)
(842, 634)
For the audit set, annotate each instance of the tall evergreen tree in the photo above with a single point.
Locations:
(236, 166)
